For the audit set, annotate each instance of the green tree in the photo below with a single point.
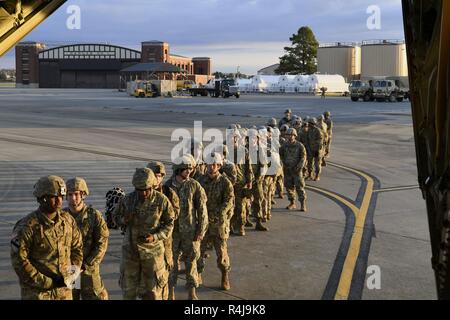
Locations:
(302, 56)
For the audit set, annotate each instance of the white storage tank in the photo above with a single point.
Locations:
(339, 58)
(383, 58)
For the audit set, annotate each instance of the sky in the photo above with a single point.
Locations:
(249, 34)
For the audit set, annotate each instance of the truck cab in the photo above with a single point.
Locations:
(389, 90)
(227, 88)
(361, 90)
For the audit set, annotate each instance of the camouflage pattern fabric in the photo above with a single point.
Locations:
(42, 253)
(192, 222)
(95, 235)
(143, 261)
(220, 194)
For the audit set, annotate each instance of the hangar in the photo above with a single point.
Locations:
(84, 66)
(97, 65)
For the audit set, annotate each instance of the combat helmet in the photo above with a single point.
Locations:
(157, 167)
(291, 131)
(272, 122)
(50, 186)
(327, 114)
(183, 162)
(312, 120)
(284, 127)
(77, 184)
(143, 179)
(215, 158)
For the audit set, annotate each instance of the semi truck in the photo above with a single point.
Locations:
(217, 88)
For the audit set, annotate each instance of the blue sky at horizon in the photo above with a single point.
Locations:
(250, 34)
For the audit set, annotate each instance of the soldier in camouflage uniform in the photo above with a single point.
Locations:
(159, 170)
(297, 125)
(287, 119)
(47, 246)
(314, 143)
(148, 218)
(324, 128)
(329, 123)
(279, 179)
(95, 240)
(229, 170)
(293, 155)
(302, 138)
(191, 225)
(220, 194)
(242, 186)
(258, 169)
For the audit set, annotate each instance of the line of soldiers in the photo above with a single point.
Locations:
(165, 223)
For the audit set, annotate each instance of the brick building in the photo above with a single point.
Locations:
(96, 65)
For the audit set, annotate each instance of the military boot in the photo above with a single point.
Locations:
(291, 205)
(192, 295)
(324, 163)
(260, 227)
(241, 231)
(171, 293)
(249, 224)
(303, 206)
(225, 281)
(200, 279)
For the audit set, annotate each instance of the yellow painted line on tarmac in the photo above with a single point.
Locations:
(342, 200)
(348, 269)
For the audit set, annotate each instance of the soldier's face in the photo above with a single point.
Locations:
(159, 179)
(185, 173)
(143, 194)
(287, 115)
(51, 204)
(74, 198)
(291, 138)
(213, 168)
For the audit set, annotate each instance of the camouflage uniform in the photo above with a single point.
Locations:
(314, 144)
(220, 194)
(258, 169)
(285, 120)
(192, 221)
(95, 242)
(43, 250)
(329, 123)
(153, 216)
(293, 156)
(244, 176)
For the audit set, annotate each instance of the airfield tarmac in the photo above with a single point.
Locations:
(365, 211)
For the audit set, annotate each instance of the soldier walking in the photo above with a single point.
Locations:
(220, 194)
(95, 240)
(293, 156)
(47, 246)
(191, 224)
(147, 217)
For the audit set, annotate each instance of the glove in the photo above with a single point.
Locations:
(59, 282)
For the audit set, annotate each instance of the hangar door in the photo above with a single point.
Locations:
(89, 79)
